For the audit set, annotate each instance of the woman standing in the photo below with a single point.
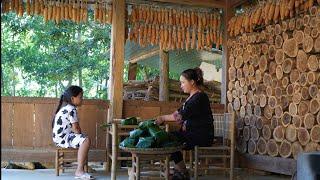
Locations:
(195, 118)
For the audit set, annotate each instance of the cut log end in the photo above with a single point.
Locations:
(296, 148)
(252, 147)
(290, 47)
(309, 120)
(278, 133)
(262, 146)
(291, 133)
(285, 149)
(272, 148)
(315, 134)
(303, 136)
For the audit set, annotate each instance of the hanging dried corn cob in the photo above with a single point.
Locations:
(193, 39)
(169, 45)
(140, 34)
(276, 12)
(188, 19)
(174, 38)
(95, 11)
(16, 6)
(66, 10)
(78, 12)
(50, 9)
(187, 39)
(20, 8)
(147, 15)
(170, 17)
(199, 39)
(110, 14)
(58, 11)
(85, 10)
(45, 13)
(28, 7)
(183, 36)
(62, 16)
(133, 16)
(104, 14)
(208, 41)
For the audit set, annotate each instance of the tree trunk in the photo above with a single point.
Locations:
(2, 82)
(80, 76)
(56, 90)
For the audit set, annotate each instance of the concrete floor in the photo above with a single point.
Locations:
(49, 174)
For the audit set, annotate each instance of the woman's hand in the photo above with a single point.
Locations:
(159, 120)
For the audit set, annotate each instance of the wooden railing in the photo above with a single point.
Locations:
(26, 133)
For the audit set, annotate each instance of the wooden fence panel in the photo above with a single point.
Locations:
(102, 116)
(44, 113)
(149, 112)
(131, 110)
(87, 119)
(23, 125)
(6, 124)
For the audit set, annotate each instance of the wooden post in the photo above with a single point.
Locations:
(116, 73)
(225, 55)
(164, 76)
(132, 74)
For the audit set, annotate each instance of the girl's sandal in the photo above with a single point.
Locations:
(85, 176)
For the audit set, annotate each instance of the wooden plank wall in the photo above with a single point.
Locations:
(26, 122)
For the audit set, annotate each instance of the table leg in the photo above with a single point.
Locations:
(167, 164)
(138, 167)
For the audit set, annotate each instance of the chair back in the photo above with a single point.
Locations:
(224, 127)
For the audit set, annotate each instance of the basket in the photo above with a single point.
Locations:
(165, 150)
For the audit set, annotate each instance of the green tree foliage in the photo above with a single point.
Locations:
(53, 56)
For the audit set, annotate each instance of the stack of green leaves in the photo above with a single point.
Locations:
(149, 135)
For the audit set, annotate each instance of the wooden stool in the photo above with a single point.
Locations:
(60, 159)
(136, 165)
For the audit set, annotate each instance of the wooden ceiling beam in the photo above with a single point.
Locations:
(235, 3)
(200, 3)
(144, 55)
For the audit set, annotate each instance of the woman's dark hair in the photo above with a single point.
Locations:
(195, 74)
(72, 91)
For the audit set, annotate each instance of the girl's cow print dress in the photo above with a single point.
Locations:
(62, 129)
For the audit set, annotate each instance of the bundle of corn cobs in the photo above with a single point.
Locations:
(267, 12)
(175, 28)
(76, 11)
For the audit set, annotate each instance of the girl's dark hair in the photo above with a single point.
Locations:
(72, 91)
(195, 74)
